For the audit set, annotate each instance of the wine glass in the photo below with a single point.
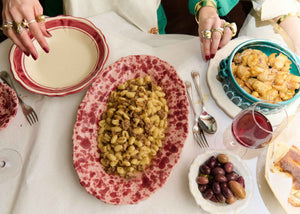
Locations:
(256, 126)
(10, 164)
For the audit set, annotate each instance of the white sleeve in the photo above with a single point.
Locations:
(270, 9)
(141, 13)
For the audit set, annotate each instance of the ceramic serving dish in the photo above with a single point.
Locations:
(232, 89)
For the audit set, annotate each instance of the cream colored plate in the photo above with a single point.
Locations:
(278, 182)
(78, 52)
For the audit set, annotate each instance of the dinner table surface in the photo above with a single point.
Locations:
(48, 182)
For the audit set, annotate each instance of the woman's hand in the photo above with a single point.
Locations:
(13, 13)
(209, 20)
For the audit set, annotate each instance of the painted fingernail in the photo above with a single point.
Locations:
(219, 48)
(46, 50)
(34, 56)
(26, 53)
(212, 56)
(207, 58)
(49, 33)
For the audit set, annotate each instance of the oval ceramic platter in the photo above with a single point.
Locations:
(110, 188)
(78, 52)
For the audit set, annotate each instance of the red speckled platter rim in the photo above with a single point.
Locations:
(111, 188)
(9, 93)
(17, 65)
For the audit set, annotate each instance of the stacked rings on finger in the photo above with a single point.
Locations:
(232, 27)
(206, 34)
(218, 29)
(16, 26)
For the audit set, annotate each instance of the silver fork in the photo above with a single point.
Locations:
(28, 111)
(197, 131)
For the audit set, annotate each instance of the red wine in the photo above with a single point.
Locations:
(248, 133)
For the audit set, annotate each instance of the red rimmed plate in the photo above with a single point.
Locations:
(113, 189)
(8, 105)
(78, 52)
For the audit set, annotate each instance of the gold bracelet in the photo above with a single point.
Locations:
(201, 4)
(284, 17)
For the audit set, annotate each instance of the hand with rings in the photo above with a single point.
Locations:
(214, 32)
(22, 18)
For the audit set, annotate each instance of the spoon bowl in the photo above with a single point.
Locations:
(206, 122)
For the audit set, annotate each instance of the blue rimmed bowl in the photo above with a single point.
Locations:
(232, 89)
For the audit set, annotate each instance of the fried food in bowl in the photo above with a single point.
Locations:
(260, 70)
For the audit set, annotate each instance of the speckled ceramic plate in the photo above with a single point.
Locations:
(78, 51)
(113, 189)
(8, 105)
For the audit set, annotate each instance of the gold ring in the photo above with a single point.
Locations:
(7, 23)
(16, 26)
(24, 24)
(218, 29)
(40, 18)
(5, 26)
(206, 34)
(232, 27)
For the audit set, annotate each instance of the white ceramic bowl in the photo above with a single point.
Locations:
(239, 166)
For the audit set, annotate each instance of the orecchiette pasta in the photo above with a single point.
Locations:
(133, 126)
(265, 77)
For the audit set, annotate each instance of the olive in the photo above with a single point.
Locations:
(227, 192)
(231, 200)
(222, 185)
(241, 181)
(202, 180)
(216, 187)
(237, 189)
(228, 167)
(221, 198)
(217, 171)
(222, 158)
(220, 178)
(202, 188)
(214, 199)
(211, 162)
(208, 193)
(205, 169)
(218, 164)
(232, 176)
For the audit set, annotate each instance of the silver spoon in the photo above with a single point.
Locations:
(207, 122)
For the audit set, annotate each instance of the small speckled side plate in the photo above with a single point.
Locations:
(113, 189)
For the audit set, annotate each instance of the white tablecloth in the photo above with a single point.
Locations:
(48, 182)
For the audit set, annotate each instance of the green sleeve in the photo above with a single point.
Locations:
(53, 7)
(162, 20)
(224, 6)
